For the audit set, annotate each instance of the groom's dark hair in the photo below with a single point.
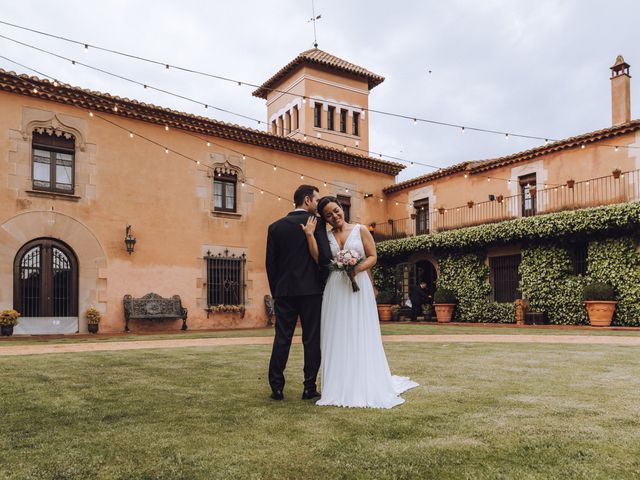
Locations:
(302, 192)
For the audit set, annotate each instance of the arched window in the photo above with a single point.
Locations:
(45, 281)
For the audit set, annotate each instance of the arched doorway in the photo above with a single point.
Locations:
(45, 287)
(426, 271)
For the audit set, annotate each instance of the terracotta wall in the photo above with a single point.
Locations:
(165, 198)
(597, 159)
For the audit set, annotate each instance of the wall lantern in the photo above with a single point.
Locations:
(129, 240)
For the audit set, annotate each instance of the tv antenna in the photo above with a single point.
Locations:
(314, 18)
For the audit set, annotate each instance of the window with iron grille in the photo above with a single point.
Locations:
(527, 194)
(346, 206)
(505, 278)
(422, 216)
(53, 162)
(225, 278)
(224, 192)
(343, 121)
(578, 253)
(331, 112)
(317, 115)
(355, 127)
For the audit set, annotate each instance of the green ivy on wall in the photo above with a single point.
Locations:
(616, 261)
(466, 274)
(547, 282)
(614, 220)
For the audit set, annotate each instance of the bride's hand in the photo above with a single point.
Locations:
(310, 227)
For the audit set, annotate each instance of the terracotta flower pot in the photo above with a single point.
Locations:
(600, 312)
(384, 312)
(444, 311)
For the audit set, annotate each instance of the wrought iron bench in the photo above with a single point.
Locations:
(153, 307)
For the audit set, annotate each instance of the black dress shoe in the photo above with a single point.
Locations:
(277, 395)
(310, 394)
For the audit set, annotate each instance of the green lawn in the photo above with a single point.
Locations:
(403, 328)
(484, 411)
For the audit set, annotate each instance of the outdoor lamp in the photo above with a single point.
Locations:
(129, 240)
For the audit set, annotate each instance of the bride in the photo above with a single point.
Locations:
(355, 372)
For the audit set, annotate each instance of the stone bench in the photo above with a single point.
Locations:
(153, 307)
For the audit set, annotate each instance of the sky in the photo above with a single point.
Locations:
(536, 68)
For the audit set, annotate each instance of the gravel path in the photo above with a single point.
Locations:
(213, 342)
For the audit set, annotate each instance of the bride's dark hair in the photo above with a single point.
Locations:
(324, 201)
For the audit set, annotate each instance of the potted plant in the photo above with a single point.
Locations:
(8, 320)
(395, 312)
(93, 319)
(444, 301)
(500, 198)
(571, 183)
(600, 303)
(385, 300)
(470, 204)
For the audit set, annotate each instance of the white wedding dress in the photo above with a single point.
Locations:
(355, 372)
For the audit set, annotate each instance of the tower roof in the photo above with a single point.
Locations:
(317, 57)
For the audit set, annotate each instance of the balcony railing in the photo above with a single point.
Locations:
(620, 187)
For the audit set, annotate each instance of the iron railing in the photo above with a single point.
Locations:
(620, 187)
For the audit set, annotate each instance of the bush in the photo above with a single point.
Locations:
(386, 297)
(93, 315)
(598, 291)
(444, 295)
(9, 318)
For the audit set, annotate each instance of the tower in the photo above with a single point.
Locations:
(321, 98)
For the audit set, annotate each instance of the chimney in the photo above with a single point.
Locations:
(620, 92)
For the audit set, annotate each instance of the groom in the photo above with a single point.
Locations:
(296, 285)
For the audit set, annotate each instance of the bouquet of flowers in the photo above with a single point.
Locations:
(346, 262)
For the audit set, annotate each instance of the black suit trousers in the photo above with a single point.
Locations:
(287, 310)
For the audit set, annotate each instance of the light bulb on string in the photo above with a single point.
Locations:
(91, 114)
(301, 177)
(325, 184)
(166, 150)
(616, 149)
(461, 129)
(275, 168)
(130, 134)
(415, 121)
(208, 144)
(244, 157)
(582, 146)
(86, 47)
(166, 67)
(166, 128)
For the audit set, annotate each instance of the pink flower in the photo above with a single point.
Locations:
(353, 261)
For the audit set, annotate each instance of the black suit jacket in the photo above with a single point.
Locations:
(417, 295)
(290, 268)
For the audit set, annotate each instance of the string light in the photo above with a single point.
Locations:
(35, 90)
(616, 149)
(167, 150)
(275, 168)
(86, 47)
(582, 146)
(130, 134)
(239, 82)
(115, 108)
(208, 144)
(301, 177)
(166, 128)
(244, 157)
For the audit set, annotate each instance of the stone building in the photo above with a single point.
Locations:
(82, 170)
